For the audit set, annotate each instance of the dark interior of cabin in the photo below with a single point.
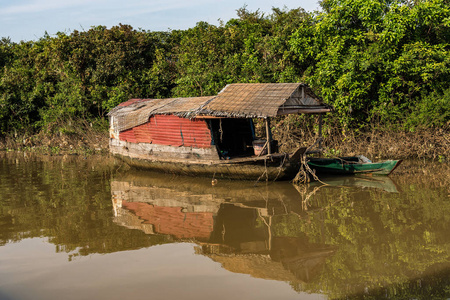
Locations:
(233, 137)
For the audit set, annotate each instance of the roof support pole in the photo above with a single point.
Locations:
(269, 136)
(320, 130)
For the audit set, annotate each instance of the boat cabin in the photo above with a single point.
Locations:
(222, 123)
(206, 130)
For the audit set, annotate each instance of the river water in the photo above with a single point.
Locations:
(76, 227)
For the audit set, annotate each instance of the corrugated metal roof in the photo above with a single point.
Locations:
(248, 100)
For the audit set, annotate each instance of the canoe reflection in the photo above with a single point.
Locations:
(247, 229)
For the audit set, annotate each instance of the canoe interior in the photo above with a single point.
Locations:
(351, 165)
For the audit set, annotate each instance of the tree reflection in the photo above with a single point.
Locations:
(347, 240)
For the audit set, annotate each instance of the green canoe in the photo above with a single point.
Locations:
(351, 165)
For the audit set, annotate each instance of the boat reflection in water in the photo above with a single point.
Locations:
(382, 183)
(248, 229)
(231, 223)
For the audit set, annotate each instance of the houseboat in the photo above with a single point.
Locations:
(214, 135)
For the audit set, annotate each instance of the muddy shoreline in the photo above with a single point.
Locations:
(430, 144)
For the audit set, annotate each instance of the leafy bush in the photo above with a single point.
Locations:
(431, 111)
(375, 61)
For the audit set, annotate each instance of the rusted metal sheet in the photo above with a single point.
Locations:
(137, 111)
(170, 130)
(128, 136)
(176, 131)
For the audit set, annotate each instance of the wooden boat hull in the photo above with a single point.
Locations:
(203, 162)
(249, 170)
(206, 162)
(272, 170)
(351, 166)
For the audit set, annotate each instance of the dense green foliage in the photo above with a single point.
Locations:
(379, 61)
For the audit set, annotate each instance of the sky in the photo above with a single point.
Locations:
(25, 20)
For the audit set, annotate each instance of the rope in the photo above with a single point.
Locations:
(280, 168)
(303, 175)
(220, 130)
(265, 172)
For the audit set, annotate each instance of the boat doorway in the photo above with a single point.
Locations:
(232, 137)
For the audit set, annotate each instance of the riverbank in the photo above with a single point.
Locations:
(75, 139)
(433, 144)
(430, 143)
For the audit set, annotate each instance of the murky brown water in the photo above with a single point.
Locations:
(87, 228)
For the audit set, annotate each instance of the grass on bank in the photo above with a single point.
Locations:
(83, 137)
(70, 137)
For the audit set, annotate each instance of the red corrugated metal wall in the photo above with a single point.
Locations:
(170, 130)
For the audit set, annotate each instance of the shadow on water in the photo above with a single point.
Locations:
(356, 237)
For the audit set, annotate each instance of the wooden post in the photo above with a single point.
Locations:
(320, 131)
(269, 136)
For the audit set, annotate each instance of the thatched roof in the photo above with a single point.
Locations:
(261, 100)
(243, 100)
